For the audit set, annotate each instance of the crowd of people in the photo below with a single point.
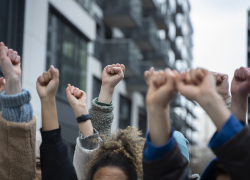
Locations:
(124, 154)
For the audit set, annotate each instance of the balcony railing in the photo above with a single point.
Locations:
(123, 51)
(160, 15)
(146, 36)
(87, 4)
(122, 13)
(149, 4)
(138, 83)
(159, 57)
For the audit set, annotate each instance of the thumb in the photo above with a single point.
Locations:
(2, 50)
(118, 71)
(68, 90)
(54, 72)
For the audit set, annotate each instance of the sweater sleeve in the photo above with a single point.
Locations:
(17, 149)
(56, 163)
(17, 108)
(102, 117)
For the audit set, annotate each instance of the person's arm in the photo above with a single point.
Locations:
(240, 88)
(102, 107)
(55, 160)
(17, 124)
(162, 158)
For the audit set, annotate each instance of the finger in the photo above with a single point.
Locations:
(218, 79)
(195, 79)
(176, 73)
(6, 50)
(188, 78)
(123, 67)
(46, 77)
(40, 80)
(50, 74)
(75, 92)
(11, 53)
(14, 57)
(151, 69)
(68, 91)
(72, 90)
(242, 73)
(112, 70)
(3, 53)
(118, 70)
(54, 72)
(18, 60)
(199, 74)
(79, 94)
(109, 69)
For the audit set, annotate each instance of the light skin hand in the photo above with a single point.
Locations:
(2, 84)
(111, 76)
(240, 88)
(162, 89)
(205, 94)
(222, 86)
(77, 100)
(10, 64)
(47, 85)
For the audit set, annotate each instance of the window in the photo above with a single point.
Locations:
(97, 83)
(124, 112)
(67, 51)
(143, 121)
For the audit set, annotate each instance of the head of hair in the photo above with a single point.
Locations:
(123, 149)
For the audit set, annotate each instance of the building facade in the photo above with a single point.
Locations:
(81, 37)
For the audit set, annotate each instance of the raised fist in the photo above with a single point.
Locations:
(77, 100)
(241, 82)
(222, 84)
(112, 75)
(197, 84)
(10, 63)
(2, 84)
(148, 75)
(162, 88)
(47, 83)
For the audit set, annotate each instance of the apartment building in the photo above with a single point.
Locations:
(81, 37)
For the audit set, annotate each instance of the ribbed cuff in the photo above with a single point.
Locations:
(90, 142)
(52, 137)
(11, 101)
(17, 108)
(103, 104)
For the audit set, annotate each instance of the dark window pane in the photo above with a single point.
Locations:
(143, 121)
(97, 83)
(125, 112)
(67, 51)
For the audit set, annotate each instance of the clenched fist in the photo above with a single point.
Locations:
(148, 76)
(47, 83)
(112, 75)
(162, 88)
(222, 84)
(241, 82)
(77, 100)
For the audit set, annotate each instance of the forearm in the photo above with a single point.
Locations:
(106, 94)
(216, 109)
(13, 85)
(239, 108)
(49, 115)
(159, 125)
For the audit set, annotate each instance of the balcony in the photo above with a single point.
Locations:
(86, 4)
(149, 4)
(160, 56)
(146, 36)
(161, 18)
(122, 13)
(179, 7)
(123, 51)
(138, 83)
(177, 52)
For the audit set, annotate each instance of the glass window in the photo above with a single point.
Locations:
(67, 51)
(97, 83)
(143, 121)
(124, 112)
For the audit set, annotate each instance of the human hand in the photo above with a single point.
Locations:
(47, 84)
(222, 84)
(240, 85)
(10, 65)
(77, 100)
(148, 76)
(111, 76)
(162, 88)
(2, 84)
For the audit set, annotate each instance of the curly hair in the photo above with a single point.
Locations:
(122, 149)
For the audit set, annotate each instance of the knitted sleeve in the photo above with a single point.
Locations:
(102, 117)
(17, 108)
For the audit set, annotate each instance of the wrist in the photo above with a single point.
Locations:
(48, 99)
(80, 111)
(13, 85)
(106, 94)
